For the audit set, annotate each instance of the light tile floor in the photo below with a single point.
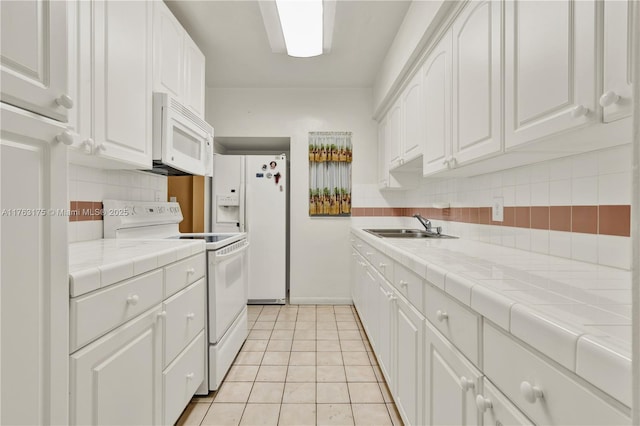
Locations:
(301, 365)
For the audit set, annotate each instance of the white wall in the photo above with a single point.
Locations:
(319, 246)
(407, 44)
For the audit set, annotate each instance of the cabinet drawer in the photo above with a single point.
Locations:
(410, 285)
(520, 374)
(496, 409)
(459, 324)
(94, 314)
(184, 319)
(182, 378)
(180, 274)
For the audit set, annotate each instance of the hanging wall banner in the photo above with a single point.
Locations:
(330, 159)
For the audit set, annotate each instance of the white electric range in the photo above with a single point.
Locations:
(226, 273)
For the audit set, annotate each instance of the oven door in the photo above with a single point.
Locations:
(227, 287)
(185, 146)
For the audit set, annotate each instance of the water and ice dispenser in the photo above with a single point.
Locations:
(228, 209)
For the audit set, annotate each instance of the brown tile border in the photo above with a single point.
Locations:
(603, 220)
(83, 211)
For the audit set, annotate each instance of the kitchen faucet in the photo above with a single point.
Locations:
(427, 224)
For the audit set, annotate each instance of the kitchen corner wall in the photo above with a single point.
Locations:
(89, 186)
(319, 247)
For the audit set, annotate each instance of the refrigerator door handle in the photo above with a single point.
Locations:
(244, 208)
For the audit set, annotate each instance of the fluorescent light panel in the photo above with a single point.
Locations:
(301, 23)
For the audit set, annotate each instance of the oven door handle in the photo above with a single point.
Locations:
(221, 257)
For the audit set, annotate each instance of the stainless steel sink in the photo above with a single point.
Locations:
(406, 233)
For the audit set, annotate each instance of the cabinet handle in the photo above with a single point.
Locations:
(87, 145)
(162, 314)
(65, 137)
(442, 315)
(65, 101)
(453, 162)
(382, 265)
(466, 384)
(362, 264)
(403, 283)
(191, 316)
(358, 245)
(445, 162)
(101, 147)
(483, 403)
(133, 299)
(579, 111)
(191, 271)
(368, 253)
(190, 376)
(608, 98)
(529, 392)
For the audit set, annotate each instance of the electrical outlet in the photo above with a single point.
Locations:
(497, 209)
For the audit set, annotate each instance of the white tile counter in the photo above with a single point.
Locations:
(99, 263)
(576, 313)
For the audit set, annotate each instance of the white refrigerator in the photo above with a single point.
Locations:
(249, 193)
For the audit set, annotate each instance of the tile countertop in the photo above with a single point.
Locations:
(99, 263)
(578, 314)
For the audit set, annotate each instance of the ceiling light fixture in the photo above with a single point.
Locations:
(301, 22)
(274, 24)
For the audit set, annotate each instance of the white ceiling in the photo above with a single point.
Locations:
(233, 38)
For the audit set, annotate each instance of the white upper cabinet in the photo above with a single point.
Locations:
(33, 57)
(178, 63)
(122, 85)
(194, 91)
(383, 165)
(412, 120)
(550, 68)
(168, 51)
(436, 99)
(393, 136)
(477, 37)
(616, 95)
(110, 76)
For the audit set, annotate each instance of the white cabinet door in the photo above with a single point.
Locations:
(194, 84)
(122, 80)
(451, 383)
(117, 379)
(616, 97)
(382, 315)
(168, 51)
(550, 68)
(34, 310)
(436, 98)
(412, 120)
(393, 135)
(476, 82)
(33, 56)
(383, 165)
(409, 346)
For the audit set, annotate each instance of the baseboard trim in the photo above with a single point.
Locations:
(321, 301)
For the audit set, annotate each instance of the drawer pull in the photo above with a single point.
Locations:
(191, 316)
(368, 253)
(133, 300)
(191, 271)
(530, 393)
(358, 245)
(483, 403)
(382, 265)
(162, 314)
(403, 283)
(442, 315)
(190, 376)
(466, 384)
(391, 297)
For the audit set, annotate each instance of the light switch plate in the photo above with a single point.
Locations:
(497, 209)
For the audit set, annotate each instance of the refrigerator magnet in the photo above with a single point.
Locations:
(269, 175)
(277, 176)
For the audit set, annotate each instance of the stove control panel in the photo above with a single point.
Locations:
(122, 215)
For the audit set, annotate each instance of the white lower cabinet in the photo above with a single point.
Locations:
(116, 379)
(182, 378)
(451, 383)
(408, 344)
(496, 409)
(382, 313)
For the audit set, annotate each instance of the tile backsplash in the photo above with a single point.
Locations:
(566, 207)
(90, 185)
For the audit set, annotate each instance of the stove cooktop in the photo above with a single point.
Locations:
(205, 237)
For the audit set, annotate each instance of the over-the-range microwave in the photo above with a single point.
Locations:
(182, 141)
